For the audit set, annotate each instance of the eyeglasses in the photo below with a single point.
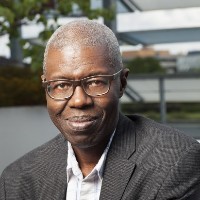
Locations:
(94, 86)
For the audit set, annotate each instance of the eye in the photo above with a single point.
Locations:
(97, 82)
(60, 85)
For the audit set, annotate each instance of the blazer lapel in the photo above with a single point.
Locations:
(118, 168)
(56, 179)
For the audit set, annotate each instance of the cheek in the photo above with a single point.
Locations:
(109, 105)
(54, 108)
(110, 109)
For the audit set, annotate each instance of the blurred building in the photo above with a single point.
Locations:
(167, 61)
(189, 62)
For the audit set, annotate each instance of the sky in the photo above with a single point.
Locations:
(149, 20)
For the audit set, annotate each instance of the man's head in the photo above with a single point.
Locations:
(86, 33)
(88, 113)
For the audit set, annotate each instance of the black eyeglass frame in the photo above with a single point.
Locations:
(80, 82)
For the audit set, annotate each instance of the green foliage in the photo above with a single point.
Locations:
(7, 13)
(20, 86)
(8, 72)
(35, 52)
(194, 70)
(176, 112)
(145, 66)
(15, 13)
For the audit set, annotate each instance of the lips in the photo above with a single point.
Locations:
(81, 123)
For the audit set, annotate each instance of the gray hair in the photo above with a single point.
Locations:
(87, 33)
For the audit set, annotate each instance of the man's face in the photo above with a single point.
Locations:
(85, 121)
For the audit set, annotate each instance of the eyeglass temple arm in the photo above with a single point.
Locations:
(117, 74)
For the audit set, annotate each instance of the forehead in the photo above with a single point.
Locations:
(77, 60)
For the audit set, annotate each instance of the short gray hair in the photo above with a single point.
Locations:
(87, 33)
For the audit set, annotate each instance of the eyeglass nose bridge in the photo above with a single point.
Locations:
(78, 83)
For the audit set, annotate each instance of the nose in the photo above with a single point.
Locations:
(79, 99)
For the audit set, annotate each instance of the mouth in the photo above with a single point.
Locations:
(81, 123)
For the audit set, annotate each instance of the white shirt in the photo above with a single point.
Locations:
(84, 188)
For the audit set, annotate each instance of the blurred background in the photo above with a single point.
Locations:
(159, 42)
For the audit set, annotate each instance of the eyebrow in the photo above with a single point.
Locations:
(90, 75)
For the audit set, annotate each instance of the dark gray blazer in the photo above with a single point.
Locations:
(145, 161)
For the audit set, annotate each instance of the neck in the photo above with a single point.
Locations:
(88, 157)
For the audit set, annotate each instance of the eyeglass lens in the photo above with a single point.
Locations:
(94, 86)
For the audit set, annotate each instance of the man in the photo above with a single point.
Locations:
(100, 153)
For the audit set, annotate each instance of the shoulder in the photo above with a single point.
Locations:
(162, 143)
(37, 158)
(166, 157)
(159, 140)
(34, 175)
(146, 127)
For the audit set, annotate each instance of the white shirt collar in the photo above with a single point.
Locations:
(73, 167)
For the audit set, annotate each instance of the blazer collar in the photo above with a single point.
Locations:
(119, 167)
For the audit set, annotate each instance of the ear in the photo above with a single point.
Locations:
(123, 79)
